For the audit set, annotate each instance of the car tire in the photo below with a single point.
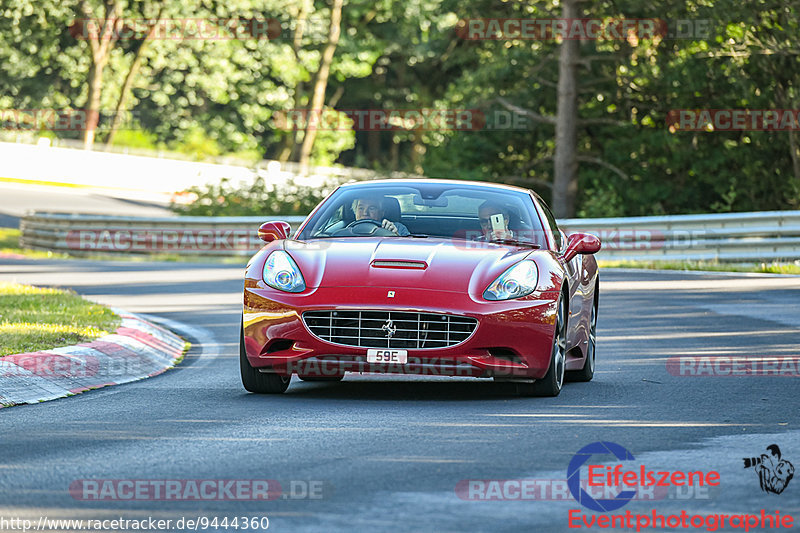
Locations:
(321, 378)
(259, 382)
(586, 373)
(550, 385)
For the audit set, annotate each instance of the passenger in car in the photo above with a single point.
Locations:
(486, 211)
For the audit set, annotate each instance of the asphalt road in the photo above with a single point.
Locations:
(388, 452)
(19, 198)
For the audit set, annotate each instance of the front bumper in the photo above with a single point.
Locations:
(513, 338)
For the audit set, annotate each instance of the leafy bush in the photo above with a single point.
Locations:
(198, 144)
(133, 138)
(250, 199)
(600, 200)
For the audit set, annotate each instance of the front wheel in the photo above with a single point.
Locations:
(258, 382)
(551, 383)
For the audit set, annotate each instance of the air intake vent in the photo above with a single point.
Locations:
(389, 329)
(399, 263)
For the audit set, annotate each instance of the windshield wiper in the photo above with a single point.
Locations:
(515, 242)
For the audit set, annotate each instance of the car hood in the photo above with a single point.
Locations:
(449, 264)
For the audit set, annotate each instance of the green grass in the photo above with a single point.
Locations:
(711, 266)
(9, 239)
(40, 318)
(9, 244)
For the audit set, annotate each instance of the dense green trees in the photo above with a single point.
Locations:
(606, 100)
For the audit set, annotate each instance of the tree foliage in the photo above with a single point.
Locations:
(218, 97)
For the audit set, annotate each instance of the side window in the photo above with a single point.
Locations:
(551, 221)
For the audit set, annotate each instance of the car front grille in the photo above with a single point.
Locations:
(389, 329)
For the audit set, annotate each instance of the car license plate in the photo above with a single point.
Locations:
(381, 355)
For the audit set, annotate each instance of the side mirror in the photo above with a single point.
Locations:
(581, 243)
(273, 231)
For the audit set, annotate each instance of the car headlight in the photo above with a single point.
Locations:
(282, 273)
(519, 280)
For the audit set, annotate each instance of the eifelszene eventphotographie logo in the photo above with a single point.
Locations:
(574, 476)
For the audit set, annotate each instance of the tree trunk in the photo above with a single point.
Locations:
(293, 135)
(373, 145)
(100, 46)
(318, 98)
(123, 96)
(92, 109)
(794, 151)
(129, 78)
(565, 180)
(417, 152)
(394, 159)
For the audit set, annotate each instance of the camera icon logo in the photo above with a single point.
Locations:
(774, 473)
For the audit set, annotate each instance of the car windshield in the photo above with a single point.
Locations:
(452, 211)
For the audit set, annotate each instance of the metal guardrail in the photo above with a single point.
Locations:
(760, 236)
(726, 237)
(82, 235)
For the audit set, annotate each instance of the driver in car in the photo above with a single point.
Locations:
(371, 208)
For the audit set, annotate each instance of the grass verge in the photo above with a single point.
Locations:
(710, 266)
(9, 244)
(40, 318)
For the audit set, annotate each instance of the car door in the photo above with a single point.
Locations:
(573, 272)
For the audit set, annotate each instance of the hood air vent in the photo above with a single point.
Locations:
(399, 263)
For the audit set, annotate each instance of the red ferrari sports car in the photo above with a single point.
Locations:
(425, 277)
